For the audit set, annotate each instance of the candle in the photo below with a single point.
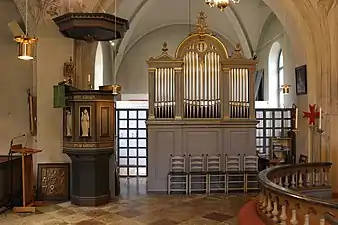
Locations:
(320, 118)
(88, 78)
(296, 119)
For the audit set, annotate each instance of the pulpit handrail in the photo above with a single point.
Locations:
(279, 190)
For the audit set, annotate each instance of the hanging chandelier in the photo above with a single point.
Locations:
(221, 4)
(25, 42)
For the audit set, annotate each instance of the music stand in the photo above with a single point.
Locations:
(27, 190)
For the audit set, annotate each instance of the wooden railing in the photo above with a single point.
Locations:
(298, 194)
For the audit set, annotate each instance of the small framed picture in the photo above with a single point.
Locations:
(301, 80)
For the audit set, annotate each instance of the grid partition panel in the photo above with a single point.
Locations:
(272, 123)
(132, 142)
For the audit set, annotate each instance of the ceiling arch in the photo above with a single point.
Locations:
(140, 11)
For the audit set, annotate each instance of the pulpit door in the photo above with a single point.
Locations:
(131, 133)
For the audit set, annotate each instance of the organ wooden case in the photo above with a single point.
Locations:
(201, 101)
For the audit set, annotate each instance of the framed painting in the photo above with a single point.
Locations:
(85, 118)
(301, 80)
(53, 182)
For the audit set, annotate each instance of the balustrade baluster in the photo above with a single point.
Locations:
(300, 181)
(269, 208)
(308, 178)
(322, 222)
(264, 205)
(280, 181)
(283, 216)
(326, 177)
(275, 212)
(286, 183)
(307, 219)
(294, 220)
(293, 181)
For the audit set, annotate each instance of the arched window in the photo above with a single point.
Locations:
(276, 76)
(98, 76)
(280, 70)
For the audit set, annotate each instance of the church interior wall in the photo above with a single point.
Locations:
(16, 78)
(132, 75)
(273, 32)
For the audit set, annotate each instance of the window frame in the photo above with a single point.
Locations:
(279, 70)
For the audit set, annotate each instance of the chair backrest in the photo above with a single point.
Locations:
(233, 163)
(214, 163)
(250, 162)
(196, 163)
(177, 163)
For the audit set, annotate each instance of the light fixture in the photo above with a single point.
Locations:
(25, 47)
(221, 4)
(26, 43)
(286, 88)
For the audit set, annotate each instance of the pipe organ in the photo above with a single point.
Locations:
(200, 95)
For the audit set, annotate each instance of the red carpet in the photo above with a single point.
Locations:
(247, 215)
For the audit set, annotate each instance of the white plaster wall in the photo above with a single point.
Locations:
(52, 52)
(133, 72)
(274, 32)
(16, 77)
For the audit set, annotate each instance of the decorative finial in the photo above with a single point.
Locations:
(165, 48)
(201, 23)
(238, 52)
(70, 59)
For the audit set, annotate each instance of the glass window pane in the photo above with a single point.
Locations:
(133, 171)
(123, 133)
(133, 152)
(123, 143)
(132, 123)
(132, 162)
(123, 114)
(123, 152)
(287, 114)
(278, 123)
(142, 143)
(142, 152)
(141, 124)
(142, 161)
(132, 133)
(132, 114)
(123, 123)
(123, 171)
(133, 143)
(278, 114)
(142, 114)
(142, 133)
(123, 162)
(142, 171)
(281, 59)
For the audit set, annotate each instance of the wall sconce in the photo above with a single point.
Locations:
(286, 88)
(25, 47)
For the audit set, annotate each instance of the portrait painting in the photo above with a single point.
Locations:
(85, 114)
(301, 80)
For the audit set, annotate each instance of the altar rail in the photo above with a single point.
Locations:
(297, 194)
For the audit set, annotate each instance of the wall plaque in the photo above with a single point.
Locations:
(53, 181)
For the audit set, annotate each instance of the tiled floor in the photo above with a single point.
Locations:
(136, 208)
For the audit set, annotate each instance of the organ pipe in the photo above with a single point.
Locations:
(202, 85)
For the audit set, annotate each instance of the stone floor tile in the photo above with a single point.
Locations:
(96, 213)
(164, 222)
(110, 218)
(129, 213)
(90, 222)
(220, 217)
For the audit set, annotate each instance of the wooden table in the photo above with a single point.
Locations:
(27, 180)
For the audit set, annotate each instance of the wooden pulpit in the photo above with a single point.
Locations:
(27, 178)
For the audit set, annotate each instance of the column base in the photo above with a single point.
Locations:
(90, 176)
(90, 201)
